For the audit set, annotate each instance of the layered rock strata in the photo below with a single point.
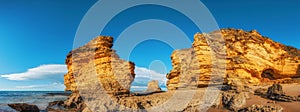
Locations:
(100, 81)
(102, 66)
(249, 58)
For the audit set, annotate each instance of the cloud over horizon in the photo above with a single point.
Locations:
(48, 71)
(144, 75)
(52, 76)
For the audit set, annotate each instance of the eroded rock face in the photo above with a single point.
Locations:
(102, 78)
(250, 59)
(101, 64)
(185, 70)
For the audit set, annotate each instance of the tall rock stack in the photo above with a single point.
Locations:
(198, 66)
(97, 63)
(249, 58)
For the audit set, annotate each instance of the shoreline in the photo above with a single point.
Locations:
(39, 98)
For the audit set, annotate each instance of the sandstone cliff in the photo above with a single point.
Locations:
(249, 58)
(100, 80)
(97, 62)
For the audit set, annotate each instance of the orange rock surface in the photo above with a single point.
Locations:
(250, 58)
(101, 64)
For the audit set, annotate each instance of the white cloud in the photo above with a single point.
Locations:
(144, 75)
(49, 71)
(54, 73)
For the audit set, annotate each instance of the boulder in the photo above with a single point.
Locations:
(234, 101)
(23, 107)
(275, 89)
(55, 106)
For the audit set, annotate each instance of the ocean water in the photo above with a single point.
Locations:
(39, 98)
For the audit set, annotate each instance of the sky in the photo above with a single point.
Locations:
(36, 35)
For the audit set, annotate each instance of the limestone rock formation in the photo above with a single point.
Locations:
(250, 58)
(153, 86)
(115, 75)
(185, 70)
(94, 71)
(100, 80)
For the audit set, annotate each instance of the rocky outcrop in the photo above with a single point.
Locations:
(234, 96)
(94, 71)
(97, 62)
(100, 80)
(75, 101)
(153, 87)
(55, 106)
(250, 58)
(276, 93)
(262, 108)
(234, 101)
(23, 107)
(275, 90)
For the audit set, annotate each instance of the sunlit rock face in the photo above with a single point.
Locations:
(97, 63)
(249, 58)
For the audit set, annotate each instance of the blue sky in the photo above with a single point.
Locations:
(36, 35)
